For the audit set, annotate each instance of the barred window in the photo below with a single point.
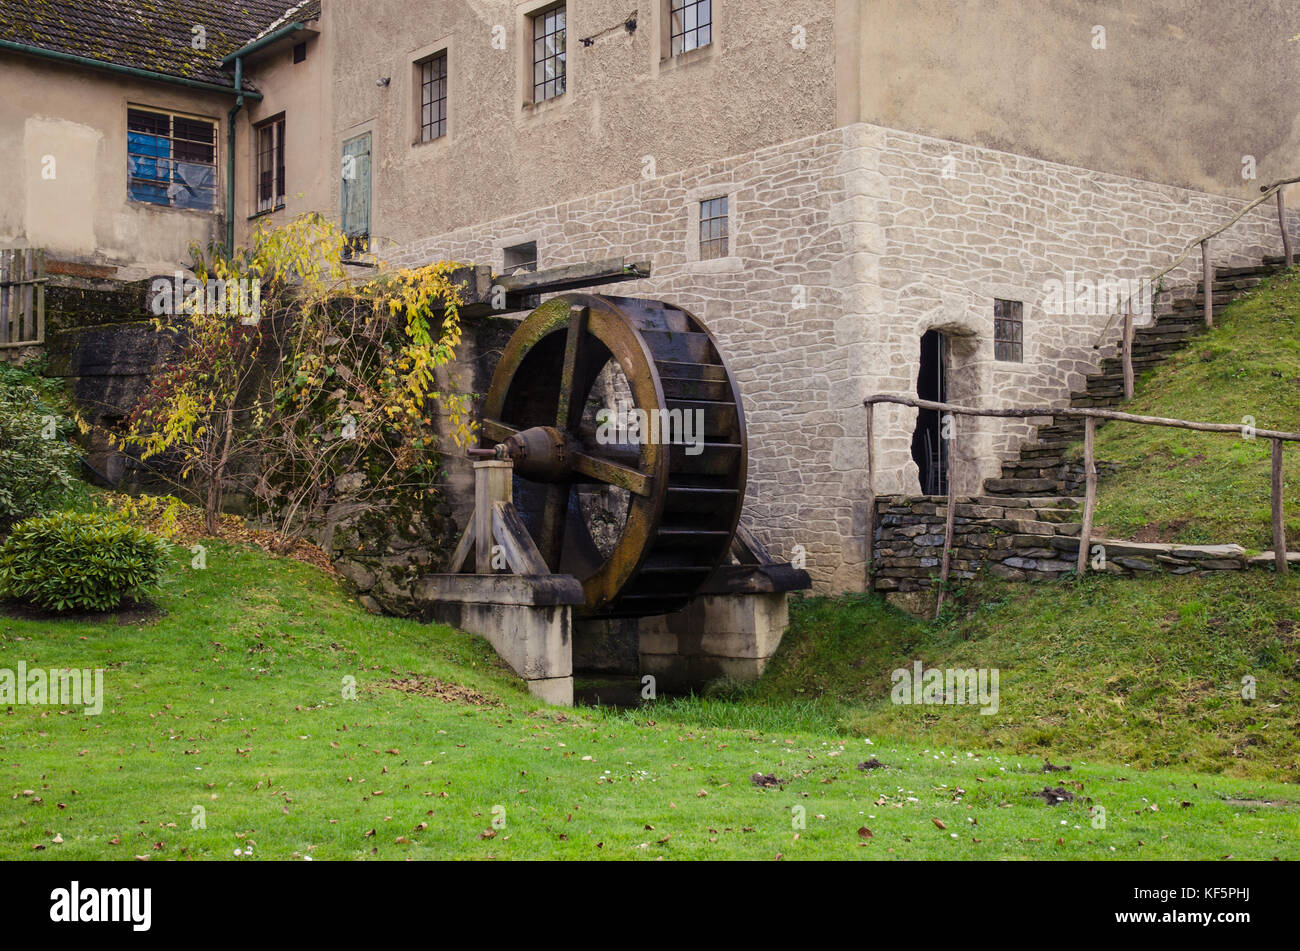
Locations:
(1009, 330)
(691, 24)
(270, 165)
(713, 228)
(171, 160)
(548, 54)
(433, 98)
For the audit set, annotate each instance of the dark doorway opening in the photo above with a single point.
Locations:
(929, 448)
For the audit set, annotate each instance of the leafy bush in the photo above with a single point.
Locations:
(36, 461)
(79, 561)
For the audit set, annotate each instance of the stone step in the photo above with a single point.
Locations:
(1026, 487)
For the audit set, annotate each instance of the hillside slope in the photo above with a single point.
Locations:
(1205, 488)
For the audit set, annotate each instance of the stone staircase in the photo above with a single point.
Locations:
(1042, 470)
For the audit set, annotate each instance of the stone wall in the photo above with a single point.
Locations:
(1017, 540)
(846, 247)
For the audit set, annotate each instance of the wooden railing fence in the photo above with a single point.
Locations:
(1090, 418)
(22, 297)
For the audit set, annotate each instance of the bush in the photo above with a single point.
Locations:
(36, 461)
(77, 561)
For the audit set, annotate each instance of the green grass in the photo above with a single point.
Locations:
(1142, 671)
(233, 702)
(1205, 488)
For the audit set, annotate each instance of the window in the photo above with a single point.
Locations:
(713, 228)
(270, 165)
(356, 194)
(299, 52)
(690, 24)
(548, 54)
(171, 160)
(1009, 330)
(520, 257)
(433, 98)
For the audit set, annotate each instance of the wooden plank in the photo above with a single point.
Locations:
(949, 517)
(1279, 528)
(4, 296)
(29, 297)
(492, 483)
(40, 296)
(516, 544)
(1207, 275)
(1090, 494)
(1127, 353)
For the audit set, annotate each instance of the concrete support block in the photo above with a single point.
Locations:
(728, 635)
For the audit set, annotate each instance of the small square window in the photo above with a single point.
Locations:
(299, 52)
(549, 72)
(520, 257)
(713, 228)
(171, 160)
(690, 24)
(1009, 330)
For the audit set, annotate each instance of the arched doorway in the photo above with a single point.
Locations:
(929, 448)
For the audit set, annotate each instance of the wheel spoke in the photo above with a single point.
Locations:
(611, 473)
(568, 408)
(554, 516)
(495, 430)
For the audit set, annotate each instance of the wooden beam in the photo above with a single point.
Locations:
(516, 544)
(1207, 276)
(492, 483)
(871, 496)
(1235, 428)
(950, 516)
(1126, 354)
(1281, 220)
(1090, 494)
(574, 276)
(1279, 528)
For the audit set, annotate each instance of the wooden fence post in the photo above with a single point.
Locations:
(1127, 351)
(492, 484)
(1279, 529)
(1281, 220)
(1090, 493)
(1207, 275)
(950, 515)
(871, 496)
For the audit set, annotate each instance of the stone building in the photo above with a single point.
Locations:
(857, 196)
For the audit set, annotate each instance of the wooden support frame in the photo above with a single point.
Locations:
(496, 523)
(1287, 256)
(1279, 527)
(1126, 353)
(1090, 494)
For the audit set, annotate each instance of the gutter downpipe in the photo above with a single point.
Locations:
(230, 154)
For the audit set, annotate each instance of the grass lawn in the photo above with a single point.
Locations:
(231, 705)
(1204, 488)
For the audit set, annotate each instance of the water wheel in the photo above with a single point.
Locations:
(641, 522)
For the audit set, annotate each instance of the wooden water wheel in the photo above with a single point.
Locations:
(641, 522)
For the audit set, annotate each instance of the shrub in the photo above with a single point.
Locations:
(36, 461)
(79, 561)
